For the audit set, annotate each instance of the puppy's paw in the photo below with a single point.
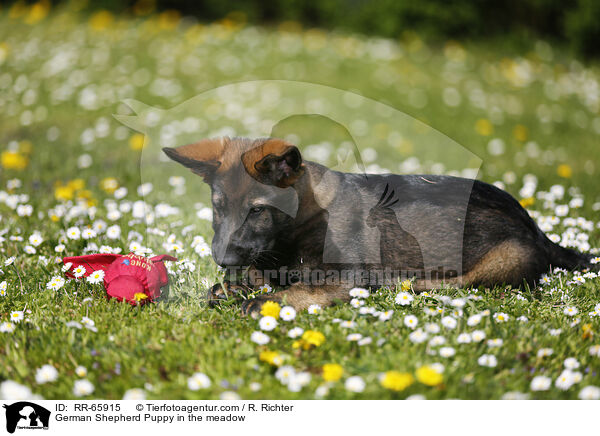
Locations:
(220, 292)
(252, 307)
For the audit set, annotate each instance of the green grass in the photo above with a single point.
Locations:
(43, 74)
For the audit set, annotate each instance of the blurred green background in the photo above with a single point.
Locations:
(573, 23)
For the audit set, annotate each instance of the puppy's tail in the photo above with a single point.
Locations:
(569, 259)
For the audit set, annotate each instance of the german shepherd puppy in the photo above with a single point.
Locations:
(275, 212)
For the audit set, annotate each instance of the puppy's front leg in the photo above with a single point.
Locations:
(300, 297)
(219, 292)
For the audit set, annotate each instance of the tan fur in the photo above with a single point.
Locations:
(206, 150)
(504, 263)
(301, 296)
(228, 153)
(275, 147)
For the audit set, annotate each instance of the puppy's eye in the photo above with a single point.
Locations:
(256, 209)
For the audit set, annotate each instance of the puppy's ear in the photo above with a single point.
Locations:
(203, 158)
(275, 162)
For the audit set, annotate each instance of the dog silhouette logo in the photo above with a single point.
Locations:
(26, 415)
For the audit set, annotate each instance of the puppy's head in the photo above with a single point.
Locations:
(254, 202)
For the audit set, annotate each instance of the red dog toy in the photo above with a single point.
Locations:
(132, 278)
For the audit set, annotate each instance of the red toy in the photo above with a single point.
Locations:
(130, 277)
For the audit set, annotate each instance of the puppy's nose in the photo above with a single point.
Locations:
(231, 259)
(233, 256)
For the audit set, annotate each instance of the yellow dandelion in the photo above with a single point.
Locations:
(4, 49)
(76, 184)
(428, 376)
(587, 331)
(101, 20)
(526, 202)
(63, 192)
(169, 19)
(137, 141)
(271, 308)
(396, 381)
(139, 296)
(332, 372)
(520, 133)
(12, 160)
(270, 357)
(38, 12)
(564, 171)
(84, 194)
(313, 337)
(310, 338)
(484, 127)
(109, 185)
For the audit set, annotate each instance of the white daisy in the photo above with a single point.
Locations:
(365, 341)
(571, 363)
(17, 316)
(449, 322)
(501, 317)
(96, 277)
(7, 327)
(355, 384)
(295, 332)
(477, 335)
(589, 393)
(134, 394)
(287, 313)
(56, 283)
(411, 321)
(259, 337)
(314, 309)
(565, 380)
(353, 337)
(11, 390)
(359, 293)
(404, 298)
(488, 360)
(73, 233)
(267, 323)
(418, 336)
(79, 271)
(447, 352)
(198, 381)
(46, 374)
(463, 338)
(384, 316)
(83, 387)
(432, 328)
(437, 340)
(494, 343)
(36, 239)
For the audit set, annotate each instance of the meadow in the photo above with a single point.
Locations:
(73, 181)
